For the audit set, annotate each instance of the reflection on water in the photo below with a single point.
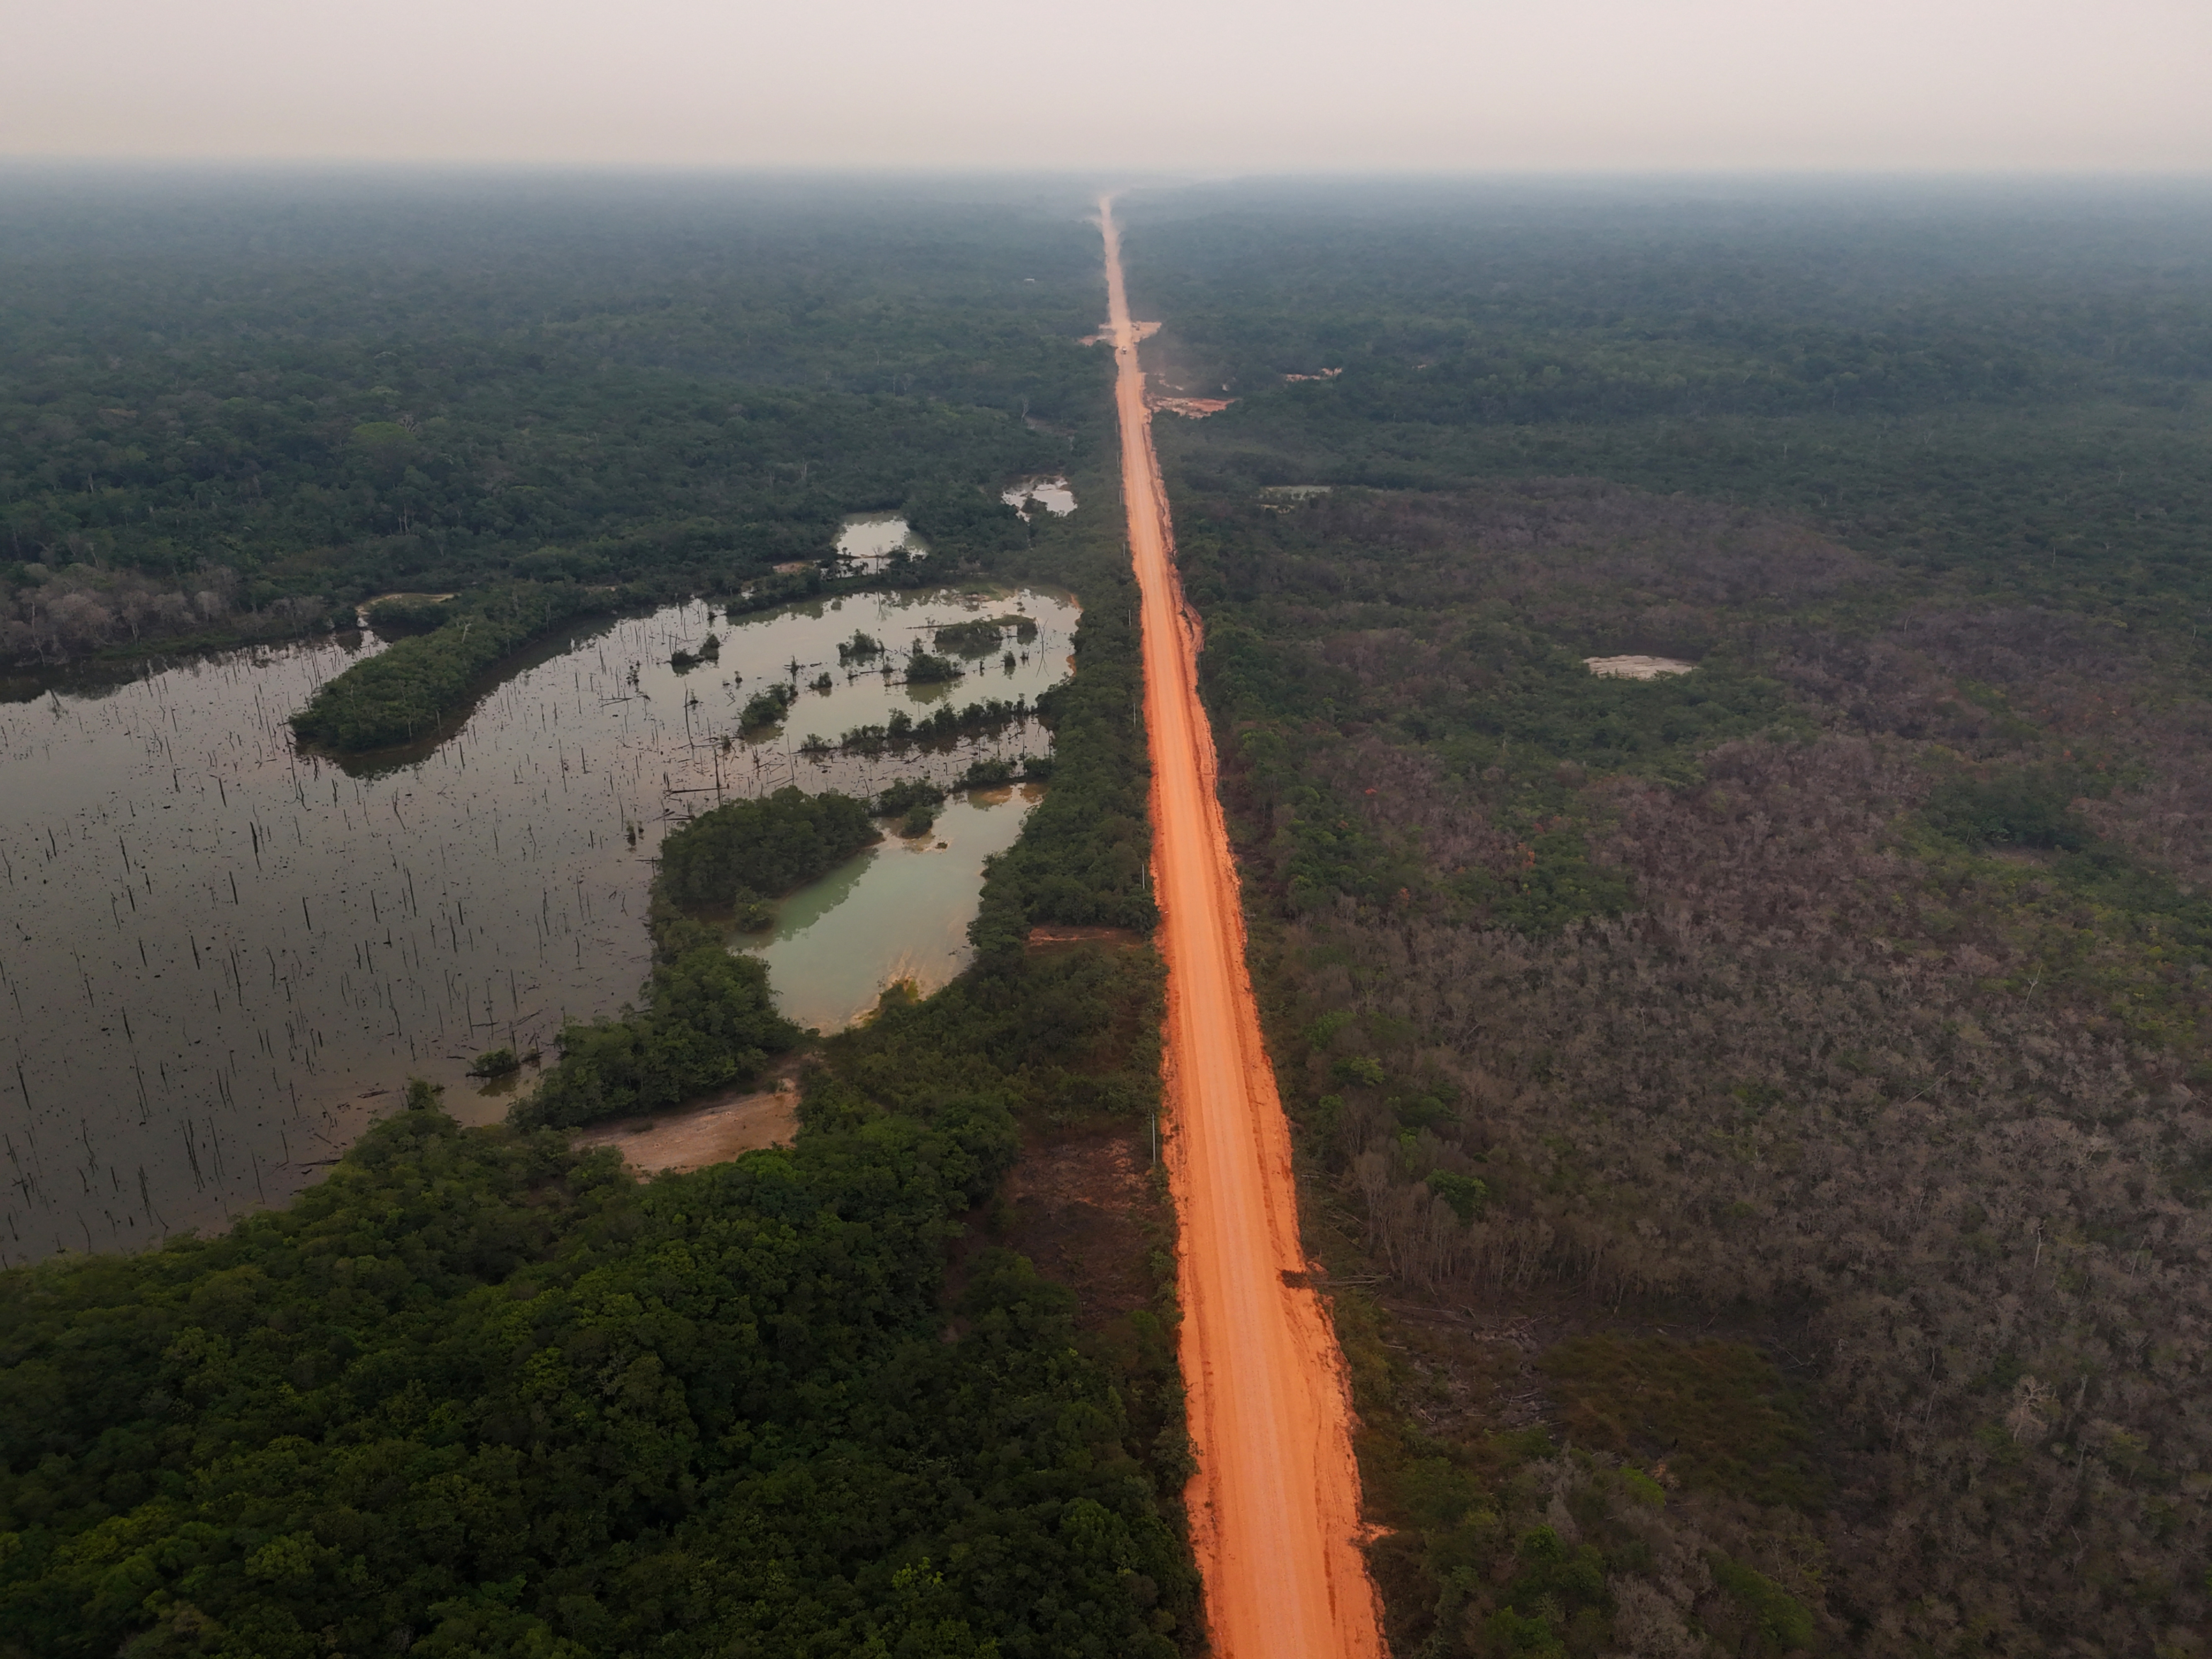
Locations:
(224, 957)
(868, 540)
(1056, 495)
(899, 910)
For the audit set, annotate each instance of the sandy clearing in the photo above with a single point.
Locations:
(714, 1132)
(1635, 667)
(1044, 939)
(1275, 1503)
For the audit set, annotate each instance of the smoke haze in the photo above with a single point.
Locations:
(1220, 84)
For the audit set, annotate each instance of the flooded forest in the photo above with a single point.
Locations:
(257, 945)
(229, 943)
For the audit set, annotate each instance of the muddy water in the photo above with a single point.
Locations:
(223, 958)
(867, 540)
(1056, 495)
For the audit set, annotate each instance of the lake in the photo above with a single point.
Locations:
(225, 957)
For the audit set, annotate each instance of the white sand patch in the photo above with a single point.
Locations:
(1634, 667)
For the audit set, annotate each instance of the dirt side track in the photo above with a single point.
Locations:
(1275, 1503)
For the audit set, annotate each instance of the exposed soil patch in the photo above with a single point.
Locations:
(1045, 938)
(714, 1131)
(1081, 1208)
(1142, 331)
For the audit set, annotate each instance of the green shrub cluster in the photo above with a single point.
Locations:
(708, 1023)
(2014, 809)
(406, 692)
(407, 613)
(942, 726)
(767, 706)
(976, 638)
(925, 668)
(914, 802)
(770, 844)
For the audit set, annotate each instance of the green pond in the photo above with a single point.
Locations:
(899, 911)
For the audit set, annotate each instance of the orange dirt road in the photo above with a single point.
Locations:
(1275, 1503)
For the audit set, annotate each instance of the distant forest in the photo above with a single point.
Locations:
(233, 408)
(2006, 382)
(1765, 1104)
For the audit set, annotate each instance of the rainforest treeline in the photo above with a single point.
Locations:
(2006, 383)
(1765, 1099)
(228, 411)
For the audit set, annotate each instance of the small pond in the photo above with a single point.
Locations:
(899, 911)
(869, 540)
(1056, 495)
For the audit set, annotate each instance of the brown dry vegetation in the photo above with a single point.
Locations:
(1090, 1210)
(79, 611)
(1616, 1010)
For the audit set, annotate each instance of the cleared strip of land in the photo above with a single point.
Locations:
(1275, 1503)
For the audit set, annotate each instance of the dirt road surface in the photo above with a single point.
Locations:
(1275, 1503)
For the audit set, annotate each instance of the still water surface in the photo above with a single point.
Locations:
(1053, 494)
(223, 957)
(867, 541)
(883, 916)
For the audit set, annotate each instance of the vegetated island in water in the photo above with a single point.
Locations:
(709, 1019)
(411, 688)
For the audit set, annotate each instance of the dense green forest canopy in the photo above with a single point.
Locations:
(402, 693)
(476, 1394)
(1767, 1099)
(231, 405)
(2010, 382)
(764, 846)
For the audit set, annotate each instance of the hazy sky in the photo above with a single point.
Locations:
(1179, 84)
